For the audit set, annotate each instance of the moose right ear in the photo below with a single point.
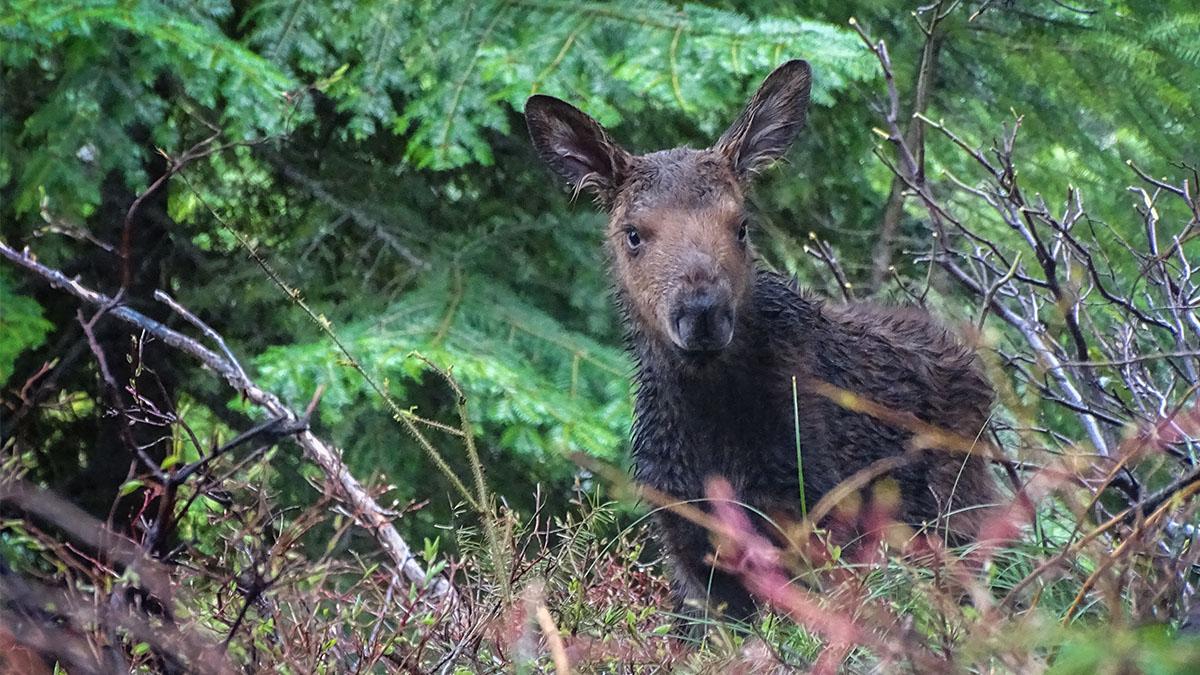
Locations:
(770, 122)
(575, 146)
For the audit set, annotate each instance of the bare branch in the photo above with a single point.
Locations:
(365, 510)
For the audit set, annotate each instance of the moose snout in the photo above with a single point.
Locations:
(702, 318)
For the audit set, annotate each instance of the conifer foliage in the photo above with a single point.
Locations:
(344, 194)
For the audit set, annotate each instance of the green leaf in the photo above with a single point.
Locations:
(22, 326)
(130, 486)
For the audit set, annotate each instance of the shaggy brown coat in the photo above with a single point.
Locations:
(718, 341)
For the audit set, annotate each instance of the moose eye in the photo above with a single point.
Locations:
(632, 238)
(743, 230)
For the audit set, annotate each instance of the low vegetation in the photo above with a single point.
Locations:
(305, 367)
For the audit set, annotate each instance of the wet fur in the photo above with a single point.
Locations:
(729, 413)
(733, 417)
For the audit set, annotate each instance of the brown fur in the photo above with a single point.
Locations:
(687, 207)
(718, 341)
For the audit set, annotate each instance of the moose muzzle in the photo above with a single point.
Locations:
(702, 318)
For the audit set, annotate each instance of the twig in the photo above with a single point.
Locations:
(405, 417)
(204, 328)
(821, 250)
(365, 510)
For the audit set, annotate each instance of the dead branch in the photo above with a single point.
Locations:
(345, 487)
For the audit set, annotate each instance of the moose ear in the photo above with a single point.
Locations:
(770, 122)
(575, 146)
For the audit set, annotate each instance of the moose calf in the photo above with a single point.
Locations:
(718, 342)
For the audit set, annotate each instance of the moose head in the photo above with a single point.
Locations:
(678, 230)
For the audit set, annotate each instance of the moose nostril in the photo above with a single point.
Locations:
(678, 324)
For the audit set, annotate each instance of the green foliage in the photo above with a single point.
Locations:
(1151, 650)
(22, 325)
(1124, 89)
(535, 389)
(537, 393)
(647, 55)
(100, 69)
(375, 153)
(460, 61)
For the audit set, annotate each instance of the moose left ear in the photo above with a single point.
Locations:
(770, 122)
(575, 146)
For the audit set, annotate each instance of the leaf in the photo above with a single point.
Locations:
(22, 326)
(130, 486)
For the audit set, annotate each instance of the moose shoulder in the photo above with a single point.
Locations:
(718, 342)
